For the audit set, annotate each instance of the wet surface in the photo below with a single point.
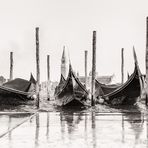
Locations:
(71, 129)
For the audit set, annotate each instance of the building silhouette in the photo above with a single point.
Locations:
(64, 64)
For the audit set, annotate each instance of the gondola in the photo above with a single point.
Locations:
(60, 85)
(71, 92)
(105, 89)
(17, 90)
(127, 93)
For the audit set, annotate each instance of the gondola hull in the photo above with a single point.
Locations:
(71, 101)
(126, 94)
(16, 92)
(12, 97)
(69, 97)
(71, 93)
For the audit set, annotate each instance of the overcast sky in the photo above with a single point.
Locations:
(119, 24)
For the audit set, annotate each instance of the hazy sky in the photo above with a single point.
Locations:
(119, 23)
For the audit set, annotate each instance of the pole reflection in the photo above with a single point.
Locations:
(10, 133)
(93, 126)
(85, 129)
(71, 119)
(123, 134)
(37, 130)
(147, 130)
(47, 131)
(9, 127)
(62, 122)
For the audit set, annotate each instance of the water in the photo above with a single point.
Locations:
(11, 120)
(74, 129)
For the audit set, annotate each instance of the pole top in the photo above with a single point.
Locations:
(37, 28)
(94, 32)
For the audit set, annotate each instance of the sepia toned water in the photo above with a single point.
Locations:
(75, 129)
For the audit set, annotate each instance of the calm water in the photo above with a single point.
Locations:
(10, 121)
(70, 129)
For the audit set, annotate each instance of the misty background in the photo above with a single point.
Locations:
(119, 24)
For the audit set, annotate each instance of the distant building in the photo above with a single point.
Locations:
(64, 64)
(51, 88)
(101, 79)
(51, 85)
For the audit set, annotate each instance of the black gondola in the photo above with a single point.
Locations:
(71, 92)
(17, 90)
(127, 93)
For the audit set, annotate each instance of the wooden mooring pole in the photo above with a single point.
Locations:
(146, 62)
(86, 68)
(122, 65)
(11, 66)
(93, 99)
(48, 77)
(37, 68)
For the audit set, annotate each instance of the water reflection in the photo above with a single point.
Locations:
(128, 122)
(80, 129)
(136, 121)
(147, 130)
(93, 126)
(37, 130)
(9, 121)
(123, 137)
(47, 132)
(71, 119)
(9, 127)
(62, 123)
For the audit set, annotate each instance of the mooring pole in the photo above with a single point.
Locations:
(37, 68)
(122, 65)
(146, 58)
(93, 69)
(48, 77)
(86, 68)
(11, 66)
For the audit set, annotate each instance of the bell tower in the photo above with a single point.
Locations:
(64, 64)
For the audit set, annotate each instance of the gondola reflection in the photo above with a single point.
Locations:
(136, 122)
(71, 119)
